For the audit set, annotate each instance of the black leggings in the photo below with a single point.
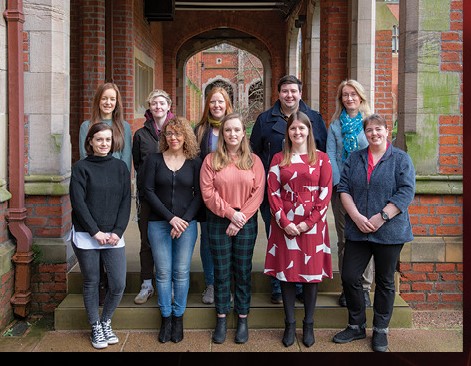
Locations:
(288, 292)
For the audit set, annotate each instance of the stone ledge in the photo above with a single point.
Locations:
(433, 249)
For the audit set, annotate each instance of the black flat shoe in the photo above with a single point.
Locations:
(242, 332)
(219, 335)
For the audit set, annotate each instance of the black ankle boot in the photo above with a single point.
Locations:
(308, 334)
(165, 329)
(242, 332)
(289, 334)
(219, 335)
(177, 329)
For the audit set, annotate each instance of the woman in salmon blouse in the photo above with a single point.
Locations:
(232, 183)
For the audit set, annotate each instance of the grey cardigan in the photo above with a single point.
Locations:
(392, 180)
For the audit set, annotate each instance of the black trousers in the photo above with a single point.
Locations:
(356, 257)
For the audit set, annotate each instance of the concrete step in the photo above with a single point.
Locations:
(71, 315)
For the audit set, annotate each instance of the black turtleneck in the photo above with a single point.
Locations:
(100, 194)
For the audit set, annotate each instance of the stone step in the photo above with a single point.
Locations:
(71, 315)
(260, 283)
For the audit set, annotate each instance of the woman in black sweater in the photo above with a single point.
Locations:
(100, 195)
(172, 189)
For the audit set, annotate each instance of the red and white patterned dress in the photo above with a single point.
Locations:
(296, 193)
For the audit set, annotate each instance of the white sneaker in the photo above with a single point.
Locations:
(208, 295)
(144, 294)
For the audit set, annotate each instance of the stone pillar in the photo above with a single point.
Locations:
(46, 110)
(362, 41)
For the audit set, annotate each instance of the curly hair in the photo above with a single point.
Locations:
(179, 124)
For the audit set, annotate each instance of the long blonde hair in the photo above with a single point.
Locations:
(365, 109)
(311, 143)
(203, 125)
(221, 157)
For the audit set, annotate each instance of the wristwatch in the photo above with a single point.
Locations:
(385, 216)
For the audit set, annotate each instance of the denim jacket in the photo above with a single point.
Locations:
(392, 180)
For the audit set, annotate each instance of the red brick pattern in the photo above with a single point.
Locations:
(48, 286)
(432, 286)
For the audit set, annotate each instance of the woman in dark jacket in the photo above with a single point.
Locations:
(376, 187)
(146, 142)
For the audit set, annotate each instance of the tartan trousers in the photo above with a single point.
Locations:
(232, 256)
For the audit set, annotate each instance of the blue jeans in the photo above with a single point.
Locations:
(172, 258)
(114, 260)
(206, 256)
(266, 216)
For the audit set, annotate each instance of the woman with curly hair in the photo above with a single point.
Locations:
(172, 189)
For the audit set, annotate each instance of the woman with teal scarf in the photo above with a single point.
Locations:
(344, 136)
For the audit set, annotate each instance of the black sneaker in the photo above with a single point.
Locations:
(351, 333)
(110, 336)
(276, 299)
(379, 342)
(97, 337)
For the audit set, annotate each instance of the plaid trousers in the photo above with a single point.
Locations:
(232, 256)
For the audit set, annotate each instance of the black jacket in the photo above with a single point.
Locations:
(145, 142)
(268, 133)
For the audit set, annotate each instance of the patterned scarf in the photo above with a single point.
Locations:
(214, 123)
(351, 127)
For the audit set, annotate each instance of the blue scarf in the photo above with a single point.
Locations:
(351, 128)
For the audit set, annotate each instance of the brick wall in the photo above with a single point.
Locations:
(432, 286)
(6, 292)
(333, 53)
(383, 76)
(48, 216)
(48, 286)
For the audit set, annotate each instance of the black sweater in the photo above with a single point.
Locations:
(100, 194)
(171, 193)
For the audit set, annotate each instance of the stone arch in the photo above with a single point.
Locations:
(206, 40)
(219, 81)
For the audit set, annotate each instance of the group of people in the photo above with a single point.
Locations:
(290, 167)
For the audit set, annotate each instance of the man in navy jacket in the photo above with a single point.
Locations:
(268, 137)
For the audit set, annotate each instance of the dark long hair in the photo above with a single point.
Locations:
(97, 127)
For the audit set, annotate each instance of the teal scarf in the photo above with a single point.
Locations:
(351, 128)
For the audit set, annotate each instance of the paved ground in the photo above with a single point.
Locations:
(433, 333)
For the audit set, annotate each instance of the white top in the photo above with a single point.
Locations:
(83, 240)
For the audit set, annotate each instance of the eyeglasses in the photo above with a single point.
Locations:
(170, 134)
(351, 95)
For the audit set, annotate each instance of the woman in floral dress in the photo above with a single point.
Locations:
(298, 251)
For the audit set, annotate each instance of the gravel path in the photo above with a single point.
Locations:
(437, 318)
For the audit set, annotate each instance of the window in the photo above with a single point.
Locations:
(395, 39)
(143, 85)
